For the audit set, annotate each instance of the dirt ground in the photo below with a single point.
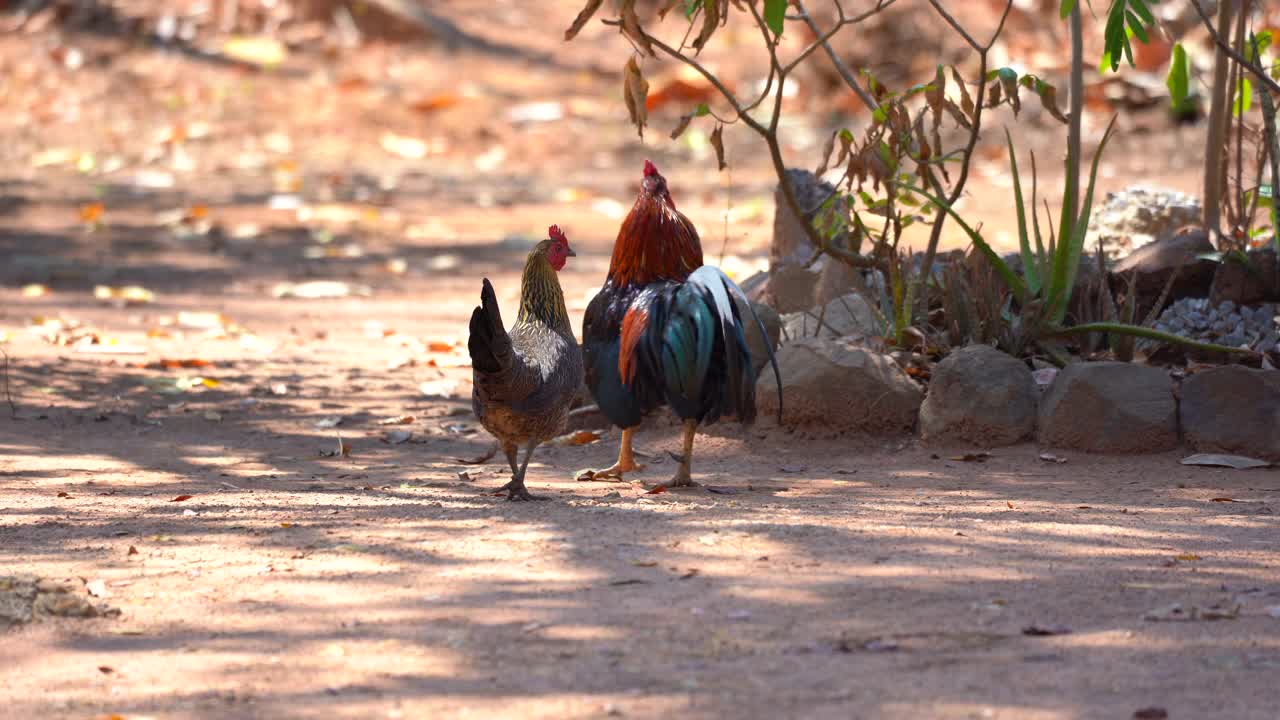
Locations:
(814, 578)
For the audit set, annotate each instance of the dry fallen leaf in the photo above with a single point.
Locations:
(182, 498)
(438, 101)
(1046, 630)
(255, 50)
(580, 437)
(406, 147)
(132, 550)
(1237, 462)
(397, 437)
(1151, 713)
(479, 460)
(97, 588)
(127, 295)
(398, 420)
(319, 290)
(657, 490)
(1188, 557)
(439, 388)
(91, 213)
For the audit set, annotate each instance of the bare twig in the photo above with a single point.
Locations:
(935, 235)
(1258, 72)
(768, 133)
(1273, 150)
(849, 78)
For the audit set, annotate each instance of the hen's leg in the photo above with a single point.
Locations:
(626, 460)
(516, 489)
(682, 478)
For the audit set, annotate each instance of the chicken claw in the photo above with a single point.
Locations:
(626, 462)
(516, 491)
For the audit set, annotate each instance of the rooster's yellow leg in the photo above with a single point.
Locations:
(682, 478)
(626, 460)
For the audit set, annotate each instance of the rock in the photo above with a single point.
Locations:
(754, 286)
(1232, 409)
(1138, 216)
(844, 316)
(792, 286)
(979, 395)
(17, 598)
(1249, 283)
(837, 385)
(1110, 407)
(1152, 265)
(758, 344)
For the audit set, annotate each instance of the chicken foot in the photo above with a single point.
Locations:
(682, 478)
(516, 489)
(626, 460)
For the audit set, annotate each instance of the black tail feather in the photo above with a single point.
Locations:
(488, 343)
(768, 346)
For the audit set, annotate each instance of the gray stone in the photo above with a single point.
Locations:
(844, 316)
(1154, 264)
(1110, 407)
(1137, 216)
(17, 599)
(839, 386)
(793, 287)
(1247, 283)
(981, 396)
(790, 288)
(1233, 409)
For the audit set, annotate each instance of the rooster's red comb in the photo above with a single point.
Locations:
(649, 168)
(555, 233)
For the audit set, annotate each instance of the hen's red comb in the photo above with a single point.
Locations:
(555, 233)
(649, 168)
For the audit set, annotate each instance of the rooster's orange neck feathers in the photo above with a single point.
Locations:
(656, 242)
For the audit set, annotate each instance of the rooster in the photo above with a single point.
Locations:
(665, 330)
(526, 379)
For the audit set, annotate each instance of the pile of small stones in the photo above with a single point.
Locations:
(1256, 327)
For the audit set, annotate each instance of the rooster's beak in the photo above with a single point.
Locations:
(572, 253)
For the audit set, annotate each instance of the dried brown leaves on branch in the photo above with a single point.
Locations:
(635, 89)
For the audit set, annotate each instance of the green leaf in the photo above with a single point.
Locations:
(846, 135)
(1010, 278)
(1244, 97)
(1179, 79)
(775, 12)
(701, 110)
(1065, 8)
(1029, 261)
(691, 7)
(1067, 263)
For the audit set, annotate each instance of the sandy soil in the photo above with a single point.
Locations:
(815, 578)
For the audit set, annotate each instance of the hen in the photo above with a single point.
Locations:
(665, 330)
(526, 379)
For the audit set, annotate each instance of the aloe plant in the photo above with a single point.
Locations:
(1050, 269)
